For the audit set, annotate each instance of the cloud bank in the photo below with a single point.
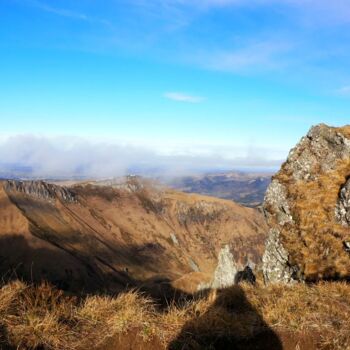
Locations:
(31, 156)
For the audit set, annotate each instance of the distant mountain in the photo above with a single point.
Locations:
(245, 188)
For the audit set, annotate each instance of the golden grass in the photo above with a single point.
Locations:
(42, 317)
(32, 316)
(315, 242)
(345, 130)
(100, 318)
(323, 308)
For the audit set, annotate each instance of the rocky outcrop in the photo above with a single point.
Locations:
(226, 270)
(307, 207)
(276, 267)
(276, 259)
(40, 190)
(342, 210)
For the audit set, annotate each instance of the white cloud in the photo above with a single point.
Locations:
(32, 156)
(181, 97)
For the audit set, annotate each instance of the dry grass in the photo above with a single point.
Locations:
(322, 309)
(315, 242)
(100, 318)
(42, 317)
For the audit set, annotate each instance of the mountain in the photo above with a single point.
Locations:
(93, 237)
(245, 188)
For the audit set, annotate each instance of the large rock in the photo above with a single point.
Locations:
(307, 207)
(226, 271)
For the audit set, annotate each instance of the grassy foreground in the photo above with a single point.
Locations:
(41, 317)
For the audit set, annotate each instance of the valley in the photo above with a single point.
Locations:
(95, 237)
(246, 188)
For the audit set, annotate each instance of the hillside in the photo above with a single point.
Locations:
(245, 188)
(89, 237)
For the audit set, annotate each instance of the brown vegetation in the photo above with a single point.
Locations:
(288, 316)
(315, 240)
(91, 238)
(313, 209)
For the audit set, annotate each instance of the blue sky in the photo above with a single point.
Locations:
(211, 79)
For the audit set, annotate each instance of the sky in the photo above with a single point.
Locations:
(101, 88)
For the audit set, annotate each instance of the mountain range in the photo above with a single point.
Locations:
(246, 188)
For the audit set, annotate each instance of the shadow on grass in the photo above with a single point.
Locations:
(80, 275)
(231, 322)
(4, 345)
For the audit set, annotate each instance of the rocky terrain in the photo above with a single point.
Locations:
(307, 208)
(245, 188)
(88, 237)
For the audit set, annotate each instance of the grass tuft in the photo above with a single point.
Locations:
(41, 317)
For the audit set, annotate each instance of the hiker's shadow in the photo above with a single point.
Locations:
(231, 322)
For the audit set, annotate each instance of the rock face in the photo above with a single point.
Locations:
(342, 210)
(227, 273)
(40, 190)
(307, 207)
(226, 270)
(276, 265)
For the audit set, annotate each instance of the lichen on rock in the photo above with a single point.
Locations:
(276, 267)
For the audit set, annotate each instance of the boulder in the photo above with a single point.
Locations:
(307, 207)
